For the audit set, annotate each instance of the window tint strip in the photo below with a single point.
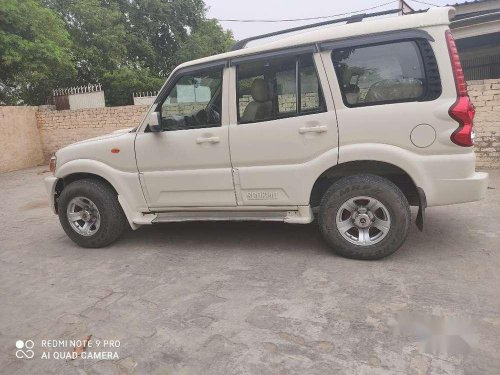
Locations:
(298, 92)
(274, 54)
(434, 86)
(374, 39)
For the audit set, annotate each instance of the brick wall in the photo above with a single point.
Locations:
(61, 128)
(20, 145)
(485, 95)
(183, 109)
(286, 102)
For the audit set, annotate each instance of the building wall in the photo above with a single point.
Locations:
(61, 128)
(20, 145)
(286, 102)
(485, 95)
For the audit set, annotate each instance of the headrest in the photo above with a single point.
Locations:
(260, 91)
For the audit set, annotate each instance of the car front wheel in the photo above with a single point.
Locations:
(90, 213)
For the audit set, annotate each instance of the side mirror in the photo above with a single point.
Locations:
(154, 122)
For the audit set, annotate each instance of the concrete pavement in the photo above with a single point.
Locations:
(249, 298)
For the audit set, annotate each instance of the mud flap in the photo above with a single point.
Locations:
(421, 209)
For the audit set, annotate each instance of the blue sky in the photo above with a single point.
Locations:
(278, 9)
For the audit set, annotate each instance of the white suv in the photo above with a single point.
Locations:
(350, 125)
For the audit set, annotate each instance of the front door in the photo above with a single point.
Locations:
(283, 129)
(187, 164)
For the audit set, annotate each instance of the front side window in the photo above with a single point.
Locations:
(278, 88)
(194, 102)
(378, 74)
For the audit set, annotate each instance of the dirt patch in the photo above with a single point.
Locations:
(34, 205)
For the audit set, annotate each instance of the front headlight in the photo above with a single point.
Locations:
(52, 164)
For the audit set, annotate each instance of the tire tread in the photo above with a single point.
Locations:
(113, 220)
(368, 185)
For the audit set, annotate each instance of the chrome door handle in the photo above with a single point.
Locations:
(313, 129)
(211, 140)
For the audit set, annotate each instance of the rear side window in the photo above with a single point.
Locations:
(271, 89)
(383, 73)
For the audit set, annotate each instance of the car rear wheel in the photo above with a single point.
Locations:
(90, 213)
(364, 217)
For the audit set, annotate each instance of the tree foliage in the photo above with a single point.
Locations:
(206, 39)
(128, 44)
(99, 36)
(159, 27)
(35, 52)
(123, 82)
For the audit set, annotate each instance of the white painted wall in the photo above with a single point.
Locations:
(87, 100)
(144, 100)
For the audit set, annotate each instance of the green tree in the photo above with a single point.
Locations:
(99, 34)
(125, 45)
(122, 83)
(157, 28)
(207, 38)
(35, 52)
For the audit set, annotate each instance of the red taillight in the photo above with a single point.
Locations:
(456, 65)
(462, 110)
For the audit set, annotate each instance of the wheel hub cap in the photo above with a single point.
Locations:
(83, 216)
(363, 221)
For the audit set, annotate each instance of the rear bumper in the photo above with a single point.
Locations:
(452, 191)
(50, 186)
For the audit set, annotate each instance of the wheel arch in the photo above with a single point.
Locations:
(386, 170)
(125, 183)
(62, 182)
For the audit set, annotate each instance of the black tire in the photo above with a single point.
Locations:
(113, 221)
(370, 186)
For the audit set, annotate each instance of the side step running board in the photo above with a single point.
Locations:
(302, 216)
(167, 217)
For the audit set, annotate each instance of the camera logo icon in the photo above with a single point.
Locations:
(24, 349)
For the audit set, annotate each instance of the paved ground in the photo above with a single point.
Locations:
(249, 298)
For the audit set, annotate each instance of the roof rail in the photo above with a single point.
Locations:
(351, 19)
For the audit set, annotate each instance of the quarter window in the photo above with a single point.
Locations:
(194, 102)
(378, 74)
(278, 88)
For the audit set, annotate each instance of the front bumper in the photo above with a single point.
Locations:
(50, 186)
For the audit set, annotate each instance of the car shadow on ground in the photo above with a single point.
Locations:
(228, 236)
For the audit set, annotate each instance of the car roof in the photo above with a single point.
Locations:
(433, 17)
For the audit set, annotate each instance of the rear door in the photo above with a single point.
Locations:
(281, 122)
(385, 94)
